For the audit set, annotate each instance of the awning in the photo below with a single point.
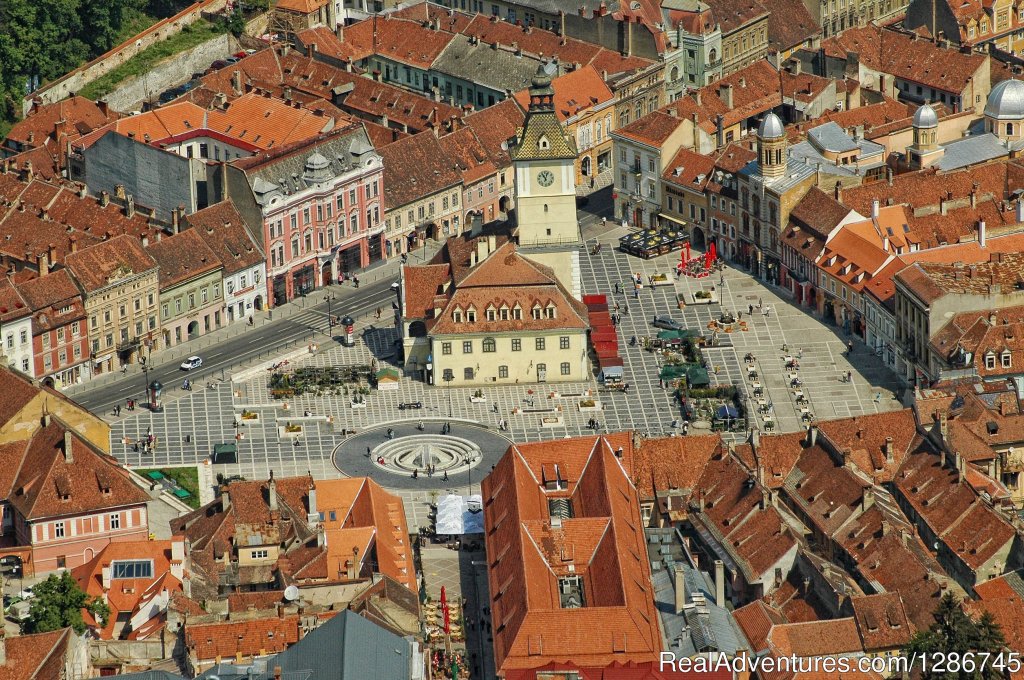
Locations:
(672, 219)
(458, 515)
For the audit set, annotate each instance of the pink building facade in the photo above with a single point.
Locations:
(320, 207)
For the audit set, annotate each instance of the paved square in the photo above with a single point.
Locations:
(193, 423)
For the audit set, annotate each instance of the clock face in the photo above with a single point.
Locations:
(545, 178)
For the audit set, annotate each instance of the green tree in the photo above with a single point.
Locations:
(59, 602)
(954, 633)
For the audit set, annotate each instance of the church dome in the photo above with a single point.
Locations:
(1006, 101)
(925, 117)
(771, 127)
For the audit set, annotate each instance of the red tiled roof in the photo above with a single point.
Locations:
(882, 621)
(247, 638)
(952, 511)
(652, 130)
(469, 155)
(48, 485)
(756, 620)
(182, 257)
(916, 60)
(96, 266)
(834, 637)
(931, 281)
(789, 25)
(575, 91)
(865, 437)
(36, 657)
(671, 463)
(54, 299)
(60, 122)
(530, 625)
(689, 169)
(494, 126)
(414, 168)
(223, 229)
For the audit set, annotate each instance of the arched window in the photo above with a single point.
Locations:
(543, 143)
(675, 74)
(489, 345)
(1009, 128)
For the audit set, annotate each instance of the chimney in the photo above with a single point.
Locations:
(311, 50)
(874, 209)
(43, 262)
(72, 244)
(943, 425)
(353, 565)
(225, 498)
(492, 243)
(720, 583)
(29, 174)
(697, 98)
(943, 207)
(888, 175)
(174, 220)
(812, 435)
(680, 589)
(287, 93)
(106, 576)
(314, 515)
(272, 493)
(867, 499)
(481, 250)
(178, 557)
(1020, 211)
(339, 31)
(104, 199)
(236, 81)
(981, 233)
(220, 100)
(129, 207)
(725, 94)
(888, 449)
(838, 192)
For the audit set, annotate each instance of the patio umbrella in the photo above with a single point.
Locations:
(686, 258)
(714, 251)
(708, 260)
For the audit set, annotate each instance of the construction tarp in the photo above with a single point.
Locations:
(597, 307)
(458, 515)
(595, 299)
(600, 319)
(604, 334)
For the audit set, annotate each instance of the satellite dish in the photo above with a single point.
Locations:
(291, 593)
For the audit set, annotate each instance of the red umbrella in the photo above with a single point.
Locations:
(447, 621)
(708, 260)
(444, 597)
(714, 251)
(687, 247)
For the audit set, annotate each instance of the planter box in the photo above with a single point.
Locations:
(552, 421)
(254, 418)
(661, 278)
(285, 434)
(705, 301)
(358, 404)
(596, 407)
(478, 400)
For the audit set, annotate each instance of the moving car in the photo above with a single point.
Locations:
(190, 363)
(667, 322)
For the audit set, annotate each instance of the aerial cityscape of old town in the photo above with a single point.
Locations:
(512, 339)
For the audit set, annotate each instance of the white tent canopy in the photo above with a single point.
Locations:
(458, 515)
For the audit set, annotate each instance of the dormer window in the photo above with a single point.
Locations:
(504, 313)
(536, 312)
(492, 313)
(990, 361)
(517, 313)
(1006, 358)
(457, 316)
(549, 312)
(543, 143)
(471, 315)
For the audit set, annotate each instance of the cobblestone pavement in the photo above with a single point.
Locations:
(191, 425)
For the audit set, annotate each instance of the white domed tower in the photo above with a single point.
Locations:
(771, 147)
(1004, 110)
(925, 150)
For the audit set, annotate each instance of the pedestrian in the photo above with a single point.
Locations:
(636, 293)
(616, 306)
(750, 309)
(378, 312)
(626, 309)
(618, 289)
(739, 315)
(849, 376)
(878, 397)
(445, 478)
(368, 452)
(759, 303)
(849, 347)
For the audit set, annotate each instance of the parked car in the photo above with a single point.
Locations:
(667, 322)
(410, 405)
(219, 64)
(190, 363)
(232, 60)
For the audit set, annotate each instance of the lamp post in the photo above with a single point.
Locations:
(448, 377)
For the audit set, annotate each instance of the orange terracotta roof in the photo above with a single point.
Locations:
(54, 299)
(575, 92)
(247, 638)
(653, 129)
(125, 596)
(789, 25)
(61, 122)
(300, 6)
(414, 168)
(671, 463)
(471, 158)
(931, 281)
(835, 637)
(756, 620)
(690, 170)
(530, 625)
(494, 126)
(866, 439)
(882, 621)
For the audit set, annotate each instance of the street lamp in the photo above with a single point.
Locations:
(448, 377)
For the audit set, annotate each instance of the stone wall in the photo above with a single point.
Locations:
(170, 73)
(75, 80)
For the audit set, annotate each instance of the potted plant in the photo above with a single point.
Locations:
(478, 397)
(249, 415)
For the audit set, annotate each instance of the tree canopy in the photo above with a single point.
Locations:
(955, 634)
(58, 603)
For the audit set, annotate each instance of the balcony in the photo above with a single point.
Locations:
(717, 63)
(129, 345)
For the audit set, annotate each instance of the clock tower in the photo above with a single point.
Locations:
(543, 159)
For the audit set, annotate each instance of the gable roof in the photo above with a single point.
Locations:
(47, 485)
(414, 168)
(35, 657)
(182, 257)
(223, 229)
(101, 264)
(576, 91)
